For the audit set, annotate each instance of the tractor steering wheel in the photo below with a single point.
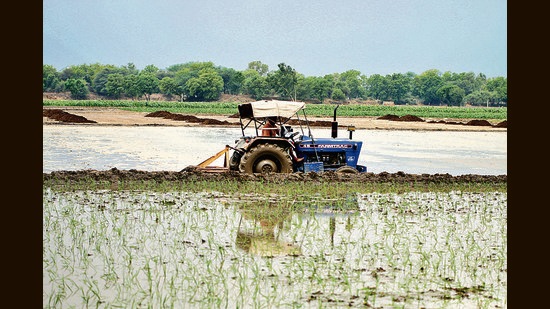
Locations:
(291, 136)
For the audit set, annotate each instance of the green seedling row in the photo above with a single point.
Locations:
(232, 186)
(179, 249)
(320, 110)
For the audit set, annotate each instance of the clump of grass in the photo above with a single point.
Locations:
(329, 189)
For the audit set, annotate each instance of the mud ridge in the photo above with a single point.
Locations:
(188, 174)
(194, 119)
(187, 118)
(63, 116)
(474, 122)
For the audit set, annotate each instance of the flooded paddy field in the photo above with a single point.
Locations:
(178, 249)
(79, 147)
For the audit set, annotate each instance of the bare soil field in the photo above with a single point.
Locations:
(114, 116)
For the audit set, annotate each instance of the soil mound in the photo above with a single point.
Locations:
(478, 123)
(209, 121)
(187, 118)
(63, 116)
(389, 117)
(502, 124)
(402, 118)
(190, 174)
(475, 122)
(316, 123)
(410, 118)
(161, 114)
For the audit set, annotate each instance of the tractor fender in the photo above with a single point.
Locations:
(281, 142)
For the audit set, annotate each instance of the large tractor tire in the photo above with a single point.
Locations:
(347, 170)
(266, 158)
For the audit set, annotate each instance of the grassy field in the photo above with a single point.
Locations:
(322, 110)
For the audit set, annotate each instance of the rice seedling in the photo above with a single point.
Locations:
(145, 248)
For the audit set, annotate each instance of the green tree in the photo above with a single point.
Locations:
(337, 82)
(78, 88)
(208, 86)
(377, 87)
(254, 84)
(338, 94)
(499, 87)
(148, 84)
(100, 80)
(479, 98)
(114, 87)
(185, 72)
(259, 67)
(465, 80)
(450, 94)
(426, 86)
(131, 86)
(321, 87)
(130, 68)
(354, 83)
(232, 80)
(480, 81)
(283, 81)
(399, 86)
(302, 89)
(51, 82)
(181, 78)
(84, 71)
(168, 87)
(150, 69)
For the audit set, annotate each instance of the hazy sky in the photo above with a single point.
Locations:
(315, 37)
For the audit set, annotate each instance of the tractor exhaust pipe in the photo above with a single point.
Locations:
(334, 131)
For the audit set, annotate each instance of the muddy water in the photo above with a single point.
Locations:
(78, 147)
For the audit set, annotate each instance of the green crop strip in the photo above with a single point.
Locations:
(289, 188)
(320, 110)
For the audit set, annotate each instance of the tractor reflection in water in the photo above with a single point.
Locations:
(263, 228)
(260, 229)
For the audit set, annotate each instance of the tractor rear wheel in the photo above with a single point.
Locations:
(347, 169)
(266, 158)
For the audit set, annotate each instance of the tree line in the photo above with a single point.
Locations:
(204, 81)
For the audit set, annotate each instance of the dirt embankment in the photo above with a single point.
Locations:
(63, 116)
(134, 118)
(190, 175)
(473, 122)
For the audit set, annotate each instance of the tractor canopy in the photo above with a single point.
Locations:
(270, 108)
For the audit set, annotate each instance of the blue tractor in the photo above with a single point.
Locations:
(269, 143)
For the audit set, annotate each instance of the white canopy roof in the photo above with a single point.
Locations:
(271, 108)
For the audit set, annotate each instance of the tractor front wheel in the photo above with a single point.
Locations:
(347, 170)
(266, 158)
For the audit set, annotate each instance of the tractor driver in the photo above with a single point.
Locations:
(269, 129)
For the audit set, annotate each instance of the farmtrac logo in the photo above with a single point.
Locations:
(325, 146)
